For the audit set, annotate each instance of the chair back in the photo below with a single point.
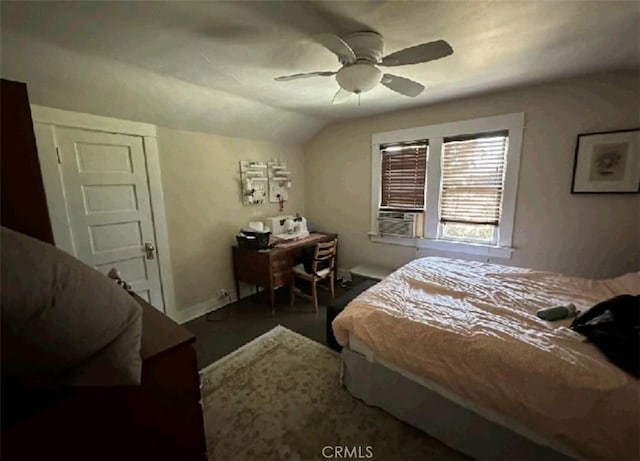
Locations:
(325, 253)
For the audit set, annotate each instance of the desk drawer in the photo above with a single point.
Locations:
(281, 267)
(281, 278)
(281, 262)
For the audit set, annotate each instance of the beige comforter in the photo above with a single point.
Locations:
(471, 327)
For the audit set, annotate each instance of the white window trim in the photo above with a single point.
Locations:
(513, 123)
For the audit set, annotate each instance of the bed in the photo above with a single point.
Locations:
(455, 348)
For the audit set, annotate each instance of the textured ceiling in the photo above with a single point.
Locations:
(210, 66)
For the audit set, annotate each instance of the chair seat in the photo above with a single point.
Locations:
(299, 269)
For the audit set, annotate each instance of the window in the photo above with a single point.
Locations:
(462, 175)
(472, 182)
(403, 175)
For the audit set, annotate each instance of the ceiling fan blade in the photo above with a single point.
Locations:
(285, 78)
(419, 53)
(337, 46)
(402, 85)
(341, 96)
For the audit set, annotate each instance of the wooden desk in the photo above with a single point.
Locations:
(271, 269)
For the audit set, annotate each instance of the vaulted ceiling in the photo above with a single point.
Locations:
(210, 66)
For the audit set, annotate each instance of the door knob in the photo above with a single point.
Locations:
(149, 248)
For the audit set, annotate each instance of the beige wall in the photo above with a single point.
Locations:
(201, 183)
(589, 235)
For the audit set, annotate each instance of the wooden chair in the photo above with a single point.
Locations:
(324, 255)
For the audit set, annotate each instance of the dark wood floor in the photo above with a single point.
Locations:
(224, 330)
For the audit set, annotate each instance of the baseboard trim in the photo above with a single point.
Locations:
(193, 312)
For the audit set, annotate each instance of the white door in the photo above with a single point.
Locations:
(106, 188)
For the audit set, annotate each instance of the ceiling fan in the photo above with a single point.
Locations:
(361, 53)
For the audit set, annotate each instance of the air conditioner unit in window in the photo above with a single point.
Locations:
(397, 223)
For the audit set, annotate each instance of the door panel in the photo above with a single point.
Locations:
(96, 158)
(144, 294)
(132, 270)
(109, 197)
(105, 182)
(115, 236)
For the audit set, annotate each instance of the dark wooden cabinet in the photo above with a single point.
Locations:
(23, 206)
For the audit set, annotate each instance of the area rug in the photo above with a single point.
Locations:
(280, 397)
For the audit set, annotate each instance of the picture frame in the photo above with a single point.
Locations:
(607, 162)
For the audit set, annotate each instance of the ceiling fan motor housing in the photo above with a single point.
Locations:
(367, 46)
(359, 77)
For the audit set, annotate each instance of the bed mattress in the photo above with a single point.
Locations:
(470, 328)
(465, 426)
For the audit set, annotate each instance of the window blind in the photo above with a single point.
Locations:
(403, 175)
(473, 178)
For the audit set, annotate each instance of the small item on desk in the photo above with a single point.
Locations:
(290, 243)
(256, 226)
(288, 227)
(557, 312)
(253, 239)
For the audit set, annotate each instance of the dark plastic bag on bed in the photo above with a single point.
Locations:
(613, 326)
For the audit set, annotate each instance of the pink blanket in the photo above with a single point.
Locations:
(471, 327)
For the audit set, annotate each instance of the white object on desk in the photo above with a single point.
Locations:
(257, 226)
(288, 227)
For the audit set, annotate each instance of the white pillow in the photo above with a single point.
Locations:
(63, 322)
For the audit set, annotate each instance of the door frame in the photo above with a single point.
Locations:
(44, 120)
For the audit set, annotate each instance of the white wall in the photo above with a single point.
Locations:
(588, 235)
(200, 172)
(203, 202)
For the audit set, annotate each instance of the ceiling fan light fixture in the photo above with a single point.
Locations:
(358, 78)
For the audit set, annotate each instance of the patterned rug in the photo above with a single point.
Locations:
(280, 397)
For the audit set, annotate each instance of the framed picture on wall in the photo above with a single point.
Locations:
(607, 163)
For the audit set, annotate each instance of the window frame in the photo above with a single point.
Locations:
(398, 208)
(443, 237)
(513, 123)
